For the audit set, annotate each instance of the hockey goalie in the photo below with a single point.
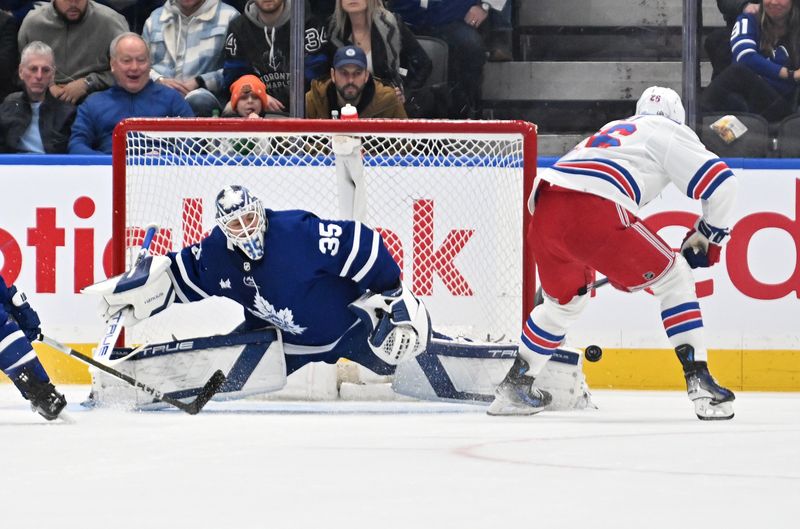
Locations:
(312, 290)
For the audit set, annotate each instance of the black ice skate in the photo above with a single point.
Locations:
(516, 395)
(711, 401)
(43, 396)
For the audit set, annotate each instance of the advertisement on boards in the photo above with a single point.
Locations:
(55, 230)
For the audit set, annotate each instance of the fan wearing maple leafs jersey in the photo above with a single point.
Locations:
(584, 220)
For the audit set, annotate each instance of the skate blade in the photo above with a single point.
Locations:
(500, 407)
(706, 411)
(66, 418)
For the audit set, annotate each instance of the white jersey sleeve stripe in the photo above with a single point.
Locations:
(750, 43)
(185, 277)
(178, 291)
(373, 255)
(743, 53)
(353, 251)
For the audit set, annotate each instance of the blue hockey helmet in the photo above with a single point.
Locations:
(240, 216)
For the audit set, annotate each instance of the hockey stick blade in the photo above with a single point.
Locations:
(209, 390)
(192, 408)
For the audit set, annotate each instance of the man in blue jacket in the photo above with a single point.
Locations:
(133, 95)
(456, 22)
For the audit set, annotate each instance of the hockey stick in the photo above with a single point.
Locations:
(538, 298)
(117, 322)
(192, 408)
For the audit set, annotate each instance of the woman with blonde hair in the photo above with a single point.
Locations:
(393, 54)
(765, 73)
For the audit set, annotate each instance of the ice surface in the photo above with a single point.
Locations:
(641, 460)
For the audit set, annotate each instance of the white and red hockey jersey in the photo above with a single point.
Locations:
(631, 161)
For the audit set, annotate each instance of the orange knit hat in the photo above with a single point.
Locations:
(245, 84)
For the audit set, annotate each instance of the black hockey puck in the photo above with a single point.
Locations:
(593, 353)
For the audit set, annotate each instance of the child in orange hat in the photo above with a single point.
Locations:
(248, 97)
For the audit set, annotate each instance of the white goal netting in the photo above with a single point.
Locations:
(448, 198)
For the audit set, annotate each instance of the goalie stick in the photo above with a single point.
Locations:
(116, 323)
(192, 408)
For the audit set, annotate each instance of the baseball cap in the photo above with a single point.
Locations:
(245, 84)
(350, 55)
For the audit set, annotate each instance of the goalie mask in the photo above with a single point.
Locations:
(240, 216)
(661, 101)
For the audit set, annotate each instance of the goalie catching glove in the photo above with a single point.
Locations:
(703, 244)
(399, 321)
(146, 290)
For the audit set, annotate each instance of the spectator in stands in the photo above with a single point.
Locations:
(16, 8)
(135, 12)
(394, 56)
(763, 78)
(79, 32)
(321, 8)
(457, 23)
(718, 42)
(258, 43)
(500, 33)
(186, 38)
(9, 54)
(33, 120)
(133, 95)
(352, 83)
(248, 98)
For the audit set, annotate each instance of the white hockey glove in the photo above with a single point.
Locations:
(702, 245)
(399, 321)
(146, 290)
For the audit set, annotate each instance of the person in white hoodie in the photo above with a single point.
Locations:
(186, 38)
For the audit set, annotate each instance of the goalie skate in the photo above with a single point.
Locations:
(516, 395)
(711, 401)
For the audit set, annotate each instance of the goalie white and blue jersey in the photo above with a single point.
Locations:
(311, 271)
(631, 161)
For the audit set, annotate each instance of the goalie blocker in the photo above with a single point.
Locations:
(255, 363)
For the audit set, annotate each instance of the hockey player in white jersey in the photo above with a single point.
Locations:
(328, 288)
(584, 220)
(19, 326)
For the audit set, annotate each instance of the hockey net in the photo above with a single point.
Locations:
(447, 197)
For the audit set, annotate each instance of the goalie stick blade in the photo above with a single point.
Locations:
(209, 390)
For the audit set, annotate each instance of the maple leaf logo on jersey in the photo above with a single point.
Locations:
(283, 319)
(224, 283)
(231, 198)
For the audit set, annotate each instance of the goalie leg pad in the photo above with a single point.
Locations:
(464, 370)
(253, 361)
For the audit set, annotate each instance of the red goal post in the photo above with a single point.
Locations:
(447, 196)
